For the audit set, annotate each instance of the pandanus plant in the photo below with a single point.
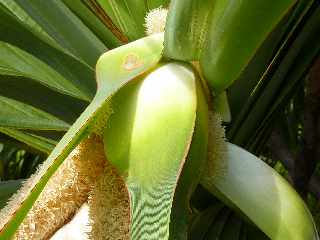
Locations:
(153, 130)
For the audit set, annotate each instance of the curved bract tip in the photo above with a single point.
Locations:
(265, 197)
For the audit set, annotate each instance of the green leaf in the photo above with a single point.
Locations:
(147, 140)
(243, 235)
(291, 73)
(18, 12)
(219, 224)
(19, 115)
(75, 71)
(221, 106)
(127, 15)
(186, 28)
(60, 105)
(91, 20)
(65, 28)
(201, 224)
(265, 197)
(223, 35)
(284, 73)
(17, 62)
(253, 233)
(37, 142)
(7, 188)
(232, 229)
(113, 71)
(237, 30)
(152, 4)
(241, 90)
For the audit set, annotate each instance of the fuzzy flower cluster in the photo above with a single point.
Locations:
(155, 21)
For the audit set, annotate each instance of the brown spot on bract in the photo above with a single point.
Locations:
(132, 62)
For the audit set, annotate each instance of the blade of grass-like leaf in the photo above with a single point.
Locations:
(152, 4)
(236, 31)
(19, 115)
(17, 62)
(243, 235)
(218, 224)
(201, 224)
(252, 93)
(232, 229)
(251, 184)
(37, 142)
(16, 10)
(295, 75)
(13, 143)
(60, 105)
(78, 73)
(95, 7)
(240, 90)
(7, 188)
(147, 140)
(253, 233)
(191, 172)
(93, 23)
(114, 69)
(66, 28)
(128, 15)
(280, 77)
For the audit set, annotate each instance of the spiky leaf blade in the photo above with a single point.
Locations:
(40, 143)
(16, 114)
(65, 28)
(17, 62)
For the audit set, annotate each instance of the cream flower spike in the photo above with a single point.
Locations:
(155, 20)
(65, 192)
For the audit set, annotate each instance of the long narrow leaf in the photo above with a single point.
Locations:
(19, 115)
(75, 71)
(37, 142)
(16, 62)
(286, 69)
(39, 96)
(66, 28)
(7, 188)
(92, 21)
(127, 15)
(16, 10)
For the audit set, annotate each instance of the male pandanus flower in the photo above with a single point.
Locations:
(148, 138)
